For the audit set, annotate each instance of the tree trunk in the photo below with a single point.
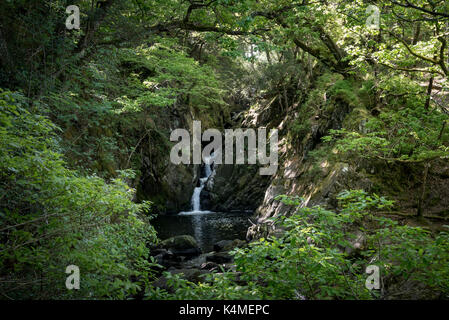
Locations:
(423, 191)
(429, 93)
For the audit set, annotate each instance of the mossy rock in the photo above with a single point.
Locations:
(179, 243)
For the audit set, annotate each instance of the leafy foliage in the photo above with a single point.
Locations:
(53, 217)
(314, 259)
(77, 107)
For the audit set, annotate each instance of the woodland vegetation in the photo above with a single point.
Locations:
(78, 107)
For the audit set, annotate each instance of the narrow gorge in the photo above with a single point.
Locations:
(107, 109)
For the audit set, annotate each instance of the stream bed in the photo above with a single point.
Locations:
(206, 227)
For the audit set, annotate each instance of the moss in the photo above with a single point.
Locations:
(345, 90)
(388, 182)
(357, 116)
(179, 243)
(299, 128)
(158, 200)
(321, 100)
(367, 94)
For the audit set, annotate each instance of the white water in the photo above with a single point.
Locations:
(196, 197)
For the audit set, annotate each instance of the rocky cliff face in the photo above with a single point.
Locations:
(308, 168)
(170, 190)
(234, 187)
(167, 185)
(313, 170)
(313, 177)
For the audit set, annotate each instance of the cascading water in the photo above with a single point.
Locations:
(205, 226)
(196, 200)
(196, 197)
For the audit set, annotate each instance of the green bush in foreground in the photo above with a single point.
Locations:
(51, 217)
(316, 258)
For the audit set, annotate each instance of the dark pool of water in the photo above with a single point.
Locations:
(206, 228)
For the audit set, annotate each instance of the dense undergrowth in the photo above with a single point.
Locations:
(86, 115)
(53, 217)
(324, 254)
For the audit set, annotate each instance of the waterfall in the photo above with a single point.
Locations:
(198, 222)
(196, 201)
(196, 197)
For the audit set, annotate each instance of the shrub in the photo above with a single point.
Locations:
(52, 217)
(311, 259)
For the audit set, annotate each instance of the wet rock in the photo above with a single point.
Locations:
(223, 245)
(168, 186)
(238, 187)
(210, 266)
(228, 245)
(216, 267)
(193, 275)
(157, 251)
(181, 246)
(168, 260)
(205, 197)
(159, 259)
(220, 257)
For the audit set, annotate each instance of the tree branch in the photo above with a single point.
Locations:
(410, 5)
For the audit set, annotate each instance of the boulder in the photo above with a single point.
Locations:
(206, 203)
(158, 251)
(167, 259)
(193, 275)
(220, 257)
(209, 266)
(159, 259)
(223, 245)
(181, 246)
(228, 245)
